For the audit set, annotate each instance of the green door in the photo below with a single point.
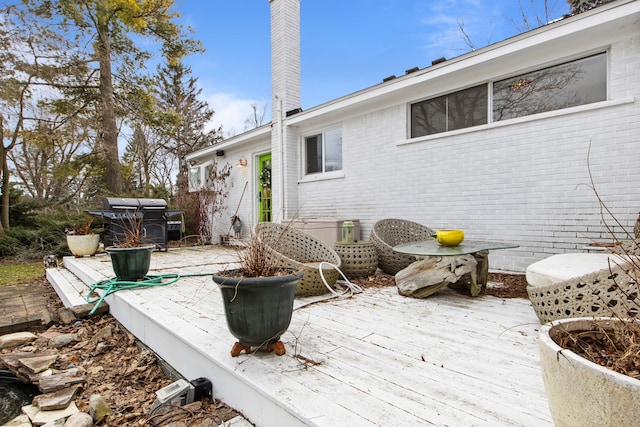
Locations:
(264, 186)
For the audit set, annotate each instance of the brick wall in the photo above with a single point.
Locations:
(525, 181)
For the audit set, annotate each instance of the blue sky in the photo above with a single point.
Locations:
(346, 45)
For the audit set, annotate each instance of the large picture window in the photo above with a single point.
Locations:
(323, 152)
(456, 110)
(562, 86)
(574, 83)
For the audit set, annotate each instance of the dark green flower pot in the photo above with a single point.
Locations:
(130, 264)
(258, 310)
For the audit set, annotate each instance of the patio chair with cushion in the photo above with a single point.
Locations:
(302, 252)
(388, 233)
(611, 291)
(627, 248)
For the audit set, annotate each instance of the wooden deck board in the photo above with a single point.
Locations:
(383, 359)
(416, 375)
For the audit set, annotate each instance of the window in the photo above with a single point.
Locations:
(323, 152)
(208, 169)
(195, 178)
(562, 86)
(457, 110)
(579, 82)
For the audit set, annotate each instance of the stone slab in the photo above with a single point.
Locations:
(19, 421)
(59, 381)
(39, 417)
(15, 339)
(38, 364)
(59, 399)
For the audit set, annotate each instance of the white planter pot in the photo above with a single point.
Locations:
(582, 393)
(81, 245)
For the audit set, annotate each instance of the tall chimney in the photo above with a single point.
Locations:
(285, 96)
(285, 54)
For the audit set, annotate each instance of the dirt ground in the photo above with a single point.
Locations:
(127, 375)
(121, 370)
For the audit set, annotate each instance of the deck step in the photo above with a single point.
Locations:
(71, 290)
(87, 276)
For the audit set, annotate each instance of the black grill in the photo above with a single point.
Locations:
(119, 215)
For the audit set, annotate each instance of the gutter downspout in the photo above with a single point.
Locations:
(280, 126)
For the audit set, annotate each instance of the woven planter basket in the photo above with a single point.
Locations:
(388, 233)
(606, 293)
(359, 259)
(302, 252)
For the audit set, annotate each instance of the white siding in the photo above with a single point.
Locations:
(247, 203)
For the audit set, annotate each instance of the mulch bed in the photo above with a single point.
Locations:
(125, 373)
(504, 285)
(501, 285)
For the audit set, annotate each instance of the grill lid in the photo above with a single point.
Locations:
(152, 204)
(123, 203)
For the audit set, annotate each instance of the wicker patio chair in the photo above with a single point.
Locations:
(610, 292)
(302, 252)
(388, 233)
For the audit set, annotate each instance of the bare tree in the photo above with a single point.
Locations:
(164, 171)
(527, 20)
(257, 116)
(53, 159)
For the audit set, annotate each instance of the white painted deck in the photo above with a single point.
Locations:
(377, 359)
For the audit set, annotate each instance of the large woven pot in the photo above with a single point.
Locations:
(130, 264)
(582, 393)
(258, 310)
(83, 244)
(299, 251)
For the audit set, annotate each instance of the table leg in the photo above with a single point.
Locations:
(473, 287)
(479, 279)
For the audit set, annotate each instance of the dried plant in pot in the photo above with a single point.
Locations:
(82, 239)
(131, 255)
(258, 298)
(582, 388)
(591, 365)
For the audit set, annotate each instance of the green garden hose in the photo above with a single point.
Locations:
(113, 285)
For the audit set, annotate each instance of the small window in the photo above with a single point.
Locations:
(562, 86)
(456, 110)
(208, 169)
(195, 178)
(323, 152)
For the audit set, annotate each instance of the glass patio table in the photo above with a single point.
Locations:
(478, 248)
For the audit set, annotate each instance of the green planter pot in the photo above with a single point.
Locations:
(258, 310)
(130, 264)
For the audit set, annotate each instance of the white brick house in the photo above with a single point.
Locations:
(511, 164)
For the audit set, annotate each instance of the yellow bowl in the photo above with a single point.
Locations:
(449, 237)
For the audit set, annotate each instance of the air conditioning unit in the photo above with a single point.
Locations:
(328, 230)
